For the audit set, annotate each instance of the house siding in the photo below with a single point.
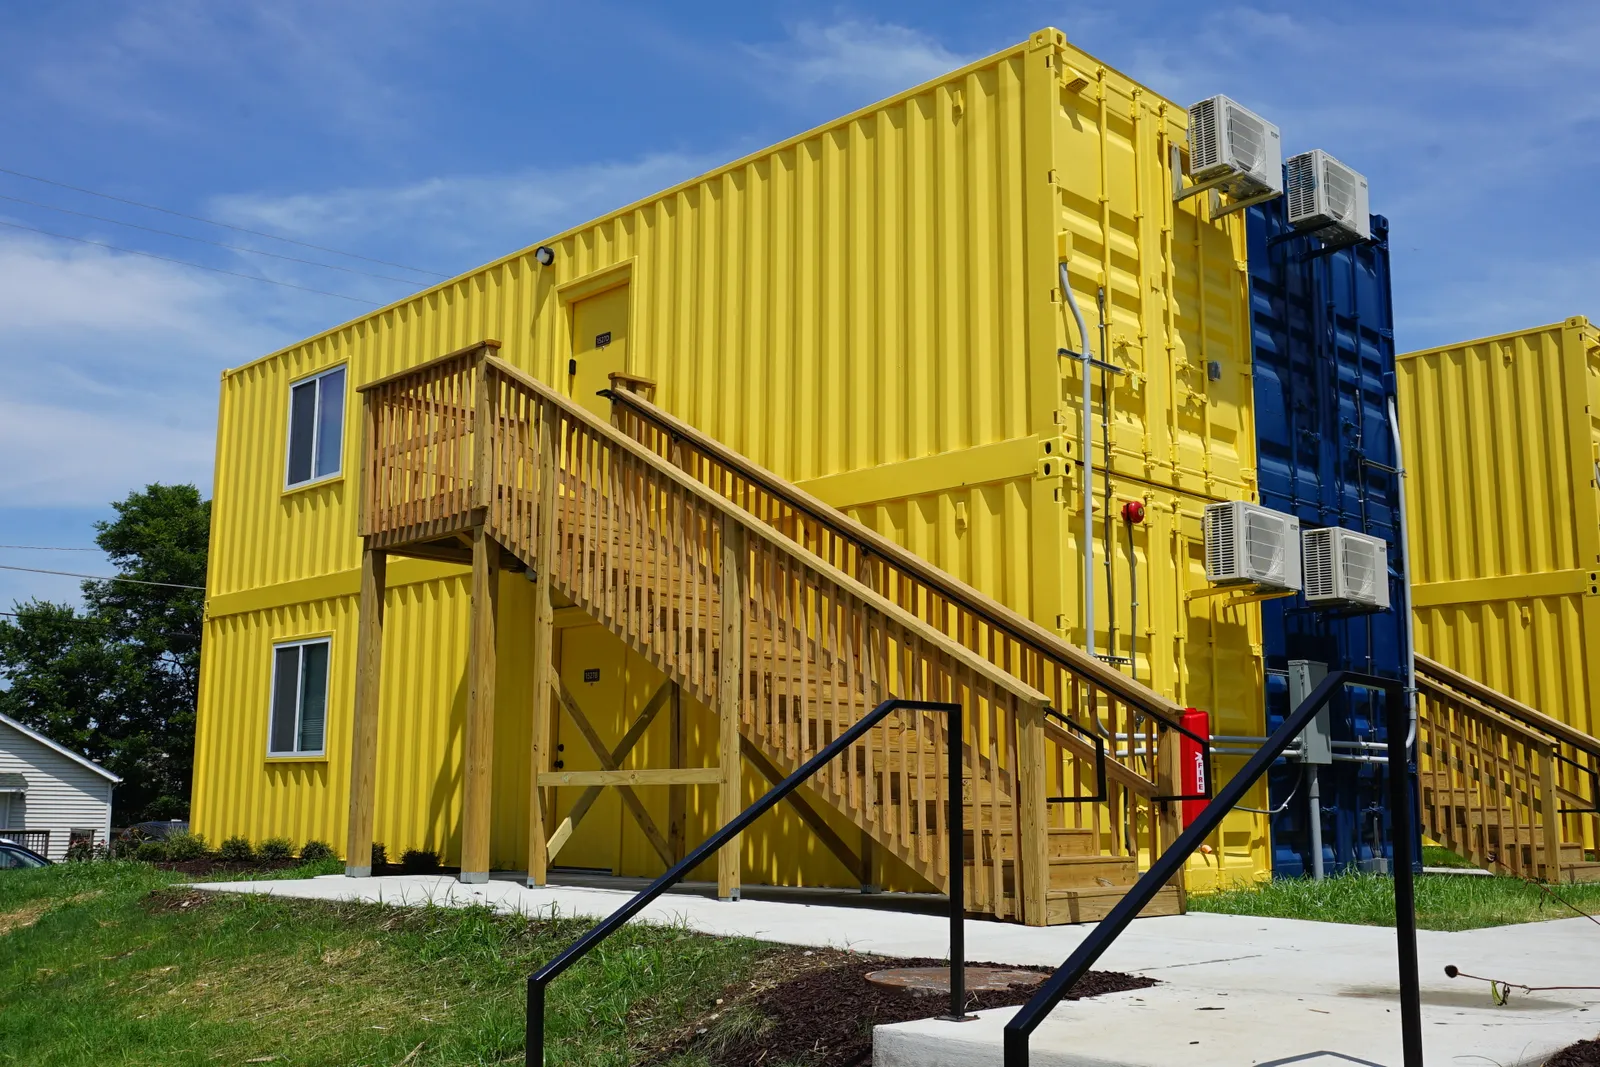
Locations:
(62, 793)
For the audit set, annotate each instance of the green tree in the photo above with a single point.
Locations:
(119, 680)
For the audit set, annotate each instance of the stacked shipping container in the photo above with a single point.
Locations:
(1502, 441)
(1324, 377)
(871, 309)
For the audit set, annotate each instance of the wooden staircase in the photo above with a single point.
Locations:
(784, 618)
(1504, 785)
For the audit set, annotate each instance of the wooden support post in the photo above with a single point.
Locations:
(730, 677)
(1034, 876)
(1550, 801)
(364, 721)
(478, 772)
(868, 870)
(677, 807)
(543, 649)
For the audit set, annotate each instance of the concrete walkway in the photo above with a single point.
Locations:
(1233, 990)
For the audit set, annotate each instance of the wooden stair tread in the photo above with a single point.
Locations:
(1093, 903)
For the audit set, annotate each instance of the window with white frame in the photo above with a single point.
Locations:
(299, 698)
(316, 427)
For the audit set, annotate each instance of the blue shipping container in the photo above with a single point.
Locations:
(1323, 334)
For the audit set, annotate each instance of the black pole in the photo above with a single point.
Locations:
(533, 1039)
(1405, 900)
(954, 737)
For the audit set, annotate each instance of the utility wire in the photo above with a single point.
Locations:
(214, 222)
(187, 263)
(99, 578)
(50, 548)
(204, 241)
(98, 622)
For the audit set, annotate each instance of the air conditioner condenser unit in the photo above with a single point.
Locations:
(1247, 544)
(1228, 141)
(1345, 569)
(1327, 198)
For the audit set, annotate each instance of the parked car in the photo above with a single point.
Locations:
(13, 855)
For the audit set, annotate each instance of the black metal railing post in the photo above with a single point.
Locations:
(958, 862)
(534, 1032)
(1169, 863)
(1405, 900)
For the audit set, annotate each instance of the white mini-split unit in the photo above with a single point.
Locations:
(1328, 198)
(1232, 143)
(1247, 544)
(1345, 569)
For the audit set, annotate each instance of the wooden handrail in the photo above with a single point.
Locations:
(1514, 710)
(753, 525)
(423, 369)
(1002, 617)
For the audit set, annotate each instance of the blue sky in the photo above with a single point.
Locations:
(440, 135)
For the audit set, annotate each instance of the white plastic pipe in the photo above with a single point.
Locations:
(1087, 440)
(1405, 565)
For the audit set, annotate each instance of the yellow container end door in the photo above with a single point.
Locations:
(599, 346)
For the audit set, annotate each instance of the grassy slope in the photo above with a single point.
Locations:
(107, 975)
(1444, 902)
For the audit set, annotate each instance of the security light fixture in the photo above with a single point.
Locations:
(545, 255)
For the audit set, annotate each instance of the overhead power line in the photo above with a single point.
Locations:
(214, 222)
(204, 241)
(101, 578)
(82, 620)
(187, 263)
(50, 548)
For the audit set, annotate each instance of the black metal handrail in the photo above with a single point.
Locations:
(1169, 863)
(537, 981)
(950, 591)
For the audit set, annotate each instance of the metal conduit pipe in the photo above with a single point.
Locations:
(1105, 451)
(1405, 565)
(1087, 442)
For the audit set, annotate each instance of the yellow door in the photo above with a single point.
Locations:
(591, 669)
(599, 346)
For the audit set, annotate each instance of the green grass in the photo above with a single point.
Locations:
(104, 964)
(1444, 901)
(1439, 856)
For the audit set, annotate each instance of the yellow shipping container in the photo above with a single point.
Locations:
(871, 309)
(1502, 447)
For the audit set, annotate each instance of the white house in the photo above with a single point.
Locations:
(50, 795)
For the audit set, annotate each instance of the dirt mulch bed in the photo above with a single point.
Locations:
(818, 1009)
(1583, 1054)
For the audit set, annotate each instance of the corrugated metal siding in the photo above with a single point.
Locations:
(1502, 436)
(1324, 364)
(62, 794)
(870, 296)
(1501, 445)
(861, 295)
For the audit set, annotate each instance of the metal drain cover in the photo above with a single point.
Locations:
(937, 979)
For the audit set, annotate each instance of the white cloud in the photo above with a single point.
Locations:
(478, 217)
(111, 365)
(65, 456)
(851, 55)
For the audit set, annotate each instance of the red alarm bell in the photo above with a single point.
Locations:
(1133, 512)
